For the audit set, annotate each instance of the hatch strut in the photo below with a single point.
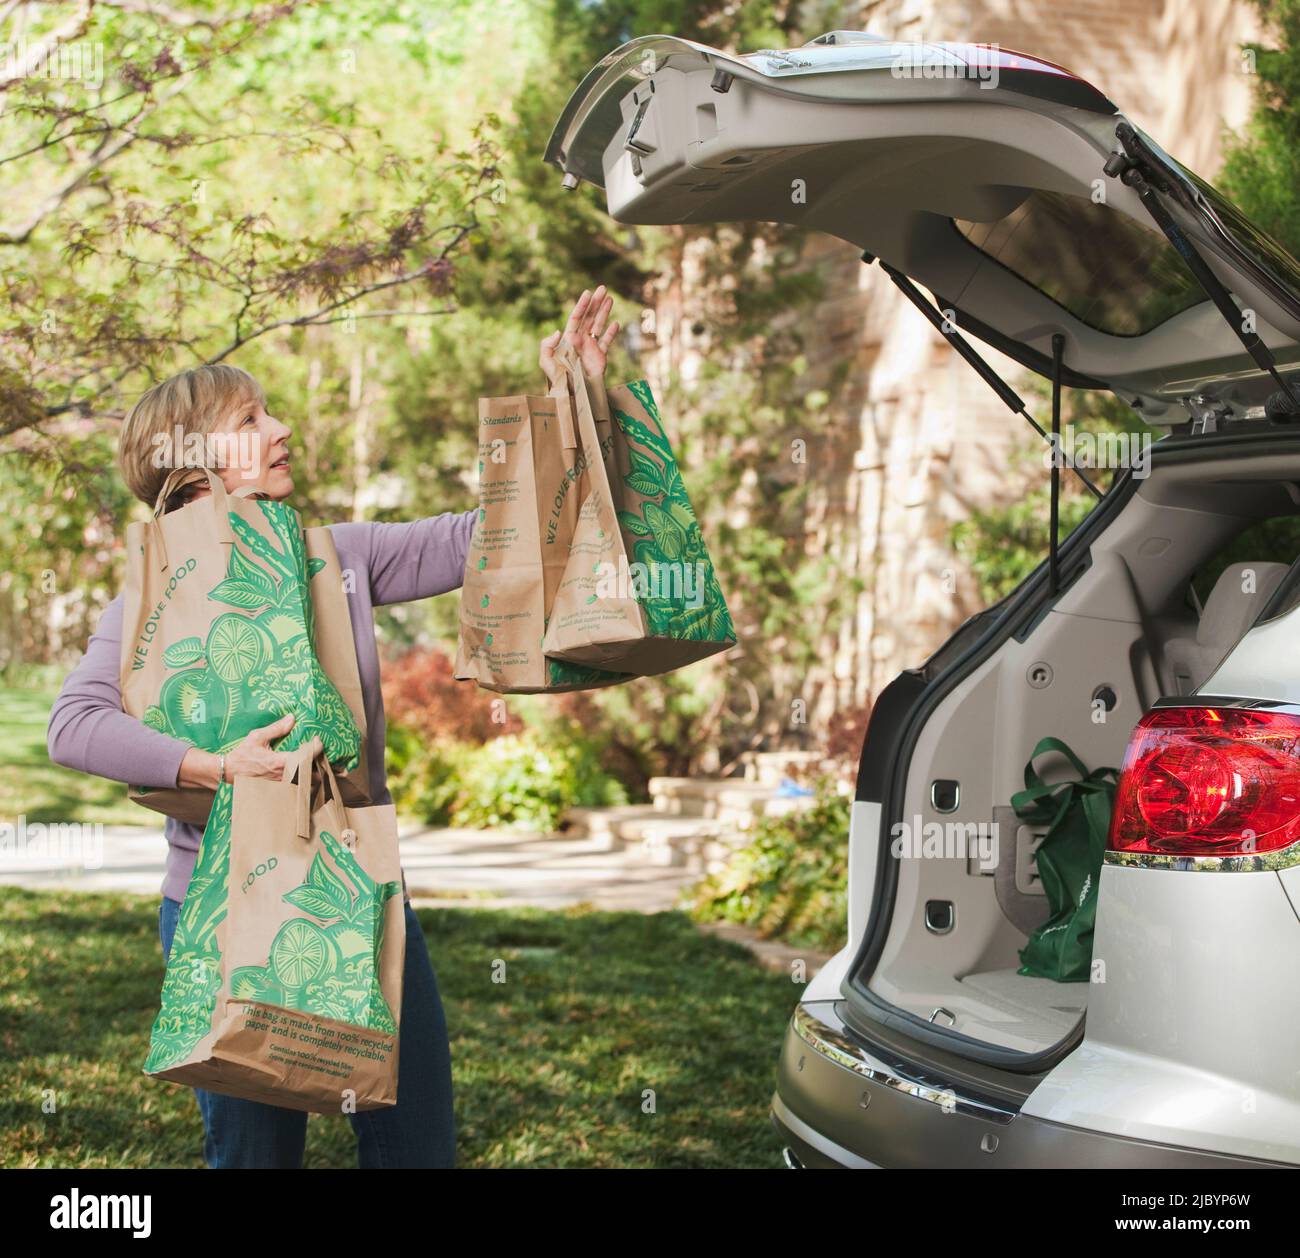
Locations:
(1053, 563)
(993, 380)
(1135, 169)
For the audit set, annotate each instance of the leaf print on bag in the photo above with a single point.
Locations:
(324, 963)
(255, 668)
(257, 664)
(669, 542)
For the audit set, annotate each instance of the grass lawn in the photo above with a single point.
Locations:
(30, 785)
(550, 1067)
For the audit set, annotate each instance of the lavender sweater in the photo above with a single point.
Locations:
(393, 563)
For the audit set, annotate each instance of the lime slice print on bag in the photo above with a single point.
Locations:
(484, 603)
(299, 954)
(237, 647)
(482, 562)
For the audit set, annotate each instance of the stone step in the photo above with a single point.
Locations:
(708, 797)
(673, 841)
(700, 843)
(604, 826)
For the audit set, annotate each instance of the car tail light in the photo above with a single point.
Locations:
(1202, 781)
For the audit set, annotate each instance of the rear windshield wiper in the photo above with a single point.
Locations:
(1136, 168)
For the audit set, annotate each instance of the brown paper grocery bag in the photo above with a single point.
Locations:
(222, 634)
(639, 592)
(529, 467)
(311, 951)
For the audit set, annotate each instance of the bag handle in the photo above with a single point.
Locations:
(1035, 802)
(583, 388)
(589, 432)
(299, 772)
(561, 394)
(176, 479)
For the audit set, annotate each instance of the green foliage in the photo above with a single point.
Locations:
(60, 533)
(529, 781)
(424, 778)
(790, 881)
(1002, 545)
(1261, 168)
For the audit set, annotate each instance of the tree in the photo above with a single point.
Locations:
(1261, 167)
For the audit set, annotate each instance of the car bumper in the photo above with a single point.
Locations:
(839, 1104)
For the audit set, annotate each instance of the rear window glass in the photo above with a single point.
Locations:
(1108, 271)
(1252, 240)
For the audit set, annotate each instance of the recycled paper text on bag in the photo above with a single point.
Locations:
(529, 465)
(639, 592)
(309, 955)
(233, 616)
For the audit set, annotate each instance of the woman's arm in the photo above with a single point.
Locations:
(88, 729)
(411, 560)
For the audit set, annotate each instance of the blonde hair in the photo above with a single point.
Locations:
(193, 401)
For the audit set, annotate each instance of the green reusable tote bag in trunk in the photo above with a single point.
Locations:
(1077, 814)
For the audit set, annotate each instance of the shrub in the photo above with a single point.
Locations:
(529, 780)
(424, 778)
(421, 693)
(790, 882)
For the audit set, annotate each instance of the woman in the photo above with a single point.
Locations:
(391, 563)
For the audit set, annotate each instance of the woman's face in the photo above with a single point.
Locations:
(255, 449)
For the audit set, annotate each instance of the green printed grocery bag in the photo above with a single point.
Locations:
(639, 592)
(234, 616)
(529, 469)
(307, 992)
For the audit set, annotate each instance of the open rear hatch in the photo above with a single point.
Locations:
(977, 172)
(1045, 224)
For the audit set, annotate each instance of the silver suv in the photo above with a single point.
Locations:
(1050, 227)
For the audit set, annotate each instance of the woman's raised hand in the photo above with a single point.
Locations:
(586, 332)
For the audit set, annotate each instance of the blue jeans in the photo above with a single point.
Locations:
(419, 1131)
